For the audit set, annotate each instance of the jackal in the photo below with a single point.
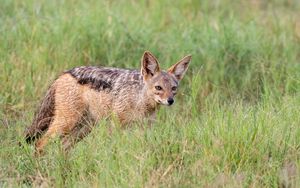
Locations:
(84, 95)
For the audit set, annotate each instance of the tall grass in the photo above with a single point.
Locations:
(236, 119)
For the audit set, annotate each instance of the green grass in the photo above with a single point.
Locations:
(236, 119)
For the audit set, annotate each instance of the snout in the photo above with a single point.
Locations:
(170, 101)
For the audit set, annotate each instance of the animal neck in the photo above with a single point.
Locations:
(146, 103)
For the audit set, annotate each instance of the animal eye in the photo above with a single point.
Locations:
(158, 88)
(174, 88)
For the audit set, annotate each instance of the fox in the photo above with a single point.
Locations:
(82, 96)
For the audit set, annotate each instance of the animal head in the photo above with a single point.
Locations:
(162, 85)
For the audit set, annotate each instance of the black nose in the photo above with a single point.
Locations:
(170, 101)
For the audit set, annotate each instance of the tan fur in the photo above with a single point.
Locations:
(85, 95)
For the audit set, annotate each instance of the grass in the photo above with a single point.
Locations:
(236, 119)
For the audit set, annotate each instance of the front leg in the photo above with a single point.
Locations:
(151, 119)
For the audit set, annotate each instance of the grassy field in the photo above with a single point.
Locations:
(236, 121)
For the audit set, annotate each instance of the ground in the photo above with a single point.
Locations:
(235, 122)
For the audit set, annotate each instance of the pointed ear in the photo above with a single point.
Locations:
(150, 65)
(180, 68)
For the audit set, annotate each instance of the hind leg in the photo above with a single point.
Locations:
(77, 134)
(81, 130)
(68, 106)
(60, 126)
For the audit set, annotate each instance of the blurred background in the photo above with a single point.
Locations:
(248, 49)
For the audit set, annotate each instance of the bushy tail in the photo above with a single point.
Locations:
(43, 117)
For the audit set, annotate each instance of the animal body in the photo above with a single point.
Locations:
(82, 96)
